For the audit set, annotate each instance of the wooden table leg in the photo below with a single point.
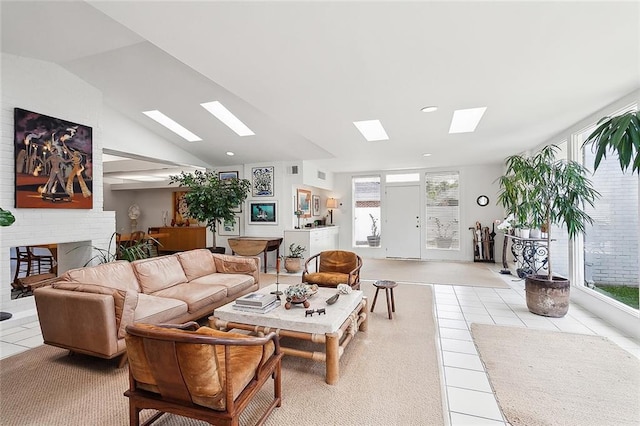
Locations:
(386, 293)
(393, 301)
(375, 297)
(332, 358)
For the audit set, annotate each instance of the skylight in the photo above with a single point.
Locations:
(172, 125)
(466, 120)
(372, 130)
(230, 120)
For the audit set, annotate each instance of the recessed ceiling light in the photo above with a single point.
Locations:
(230, 120)
(429, 108)
(466, 120)
(172, 125)
(372, 130)
(230, 154)
(426, 155)
(140, 178)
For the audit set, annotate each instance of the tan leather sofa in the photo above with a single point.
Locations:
(87, 310)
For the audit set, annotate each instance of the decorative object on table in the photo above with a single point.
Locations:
(332, 203)
(319, 311)
(551, 192)
(277, 292)
(53, 162)
(263, 213)
(344, 289)
(620, 135)
(165, 217)
(333, 299)
(134, 214)
(297, 294)
(315, 201)
(210, 199)
(293, 261)
(257, 302)
(304, 202)
(374, 239)
(262, 181)
(299, 214)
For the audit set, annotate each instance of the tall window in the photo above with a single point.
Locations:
(366, 208)
(611, 242)
(443, 210)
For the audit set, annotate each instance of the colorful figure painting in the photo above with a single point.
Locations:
(53, 162)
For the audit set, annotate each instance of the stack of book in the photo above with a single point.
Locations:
(259, 303)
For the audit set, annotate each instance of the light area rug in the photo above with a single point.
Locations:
(432, 272)
(389, 375)
(545, 377)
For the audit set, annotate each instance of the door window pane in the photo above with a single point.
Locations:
(366, 208)
(443, 210)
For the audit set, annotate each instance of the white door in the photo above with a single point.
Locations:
(402, 230)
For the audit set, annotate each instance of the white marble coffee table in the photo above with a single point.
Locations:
(334, 329)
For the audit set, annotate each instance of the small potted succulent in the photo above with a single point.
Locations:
(293, 261)
(297, 294)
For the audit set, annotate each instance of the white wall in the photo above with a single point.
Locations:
(474, 181)
(48, 89)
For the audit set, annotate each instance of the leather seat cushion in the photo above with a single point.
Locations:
(156, 310)
(197, 263)
(196, 296)
(338, 261)
(327, 278)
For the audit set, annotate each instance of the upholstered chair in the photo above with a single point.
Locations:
(199, 372)
(332, 267)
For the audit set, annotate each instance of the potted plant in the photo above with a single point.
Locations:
(619, 134)
(6, 218)
(550, 192)
(445, 233)
(293, 261)
(210, 199)
(374, 238)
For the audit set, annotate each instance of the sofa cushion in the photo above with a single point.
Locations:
(125, 301)
(234, 283)
(157, 273)
(196, 296)
(196, 263)
(118, 274)
(158, 310)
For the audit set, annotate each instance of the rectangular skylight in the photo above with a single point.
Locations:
(230, 120)
(466, 120)
(172, 125)
(372, 130)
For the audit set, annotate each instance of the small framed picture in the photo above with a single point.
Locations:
(315, 201)
(227, 175)
(230, 228)
(262, 181)
(263, 213)
(304, 202)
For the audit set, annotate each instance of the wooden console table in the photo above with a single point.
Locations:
(253, 246)
(181, 238)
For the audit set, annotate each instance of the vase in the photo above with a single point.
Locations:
(292, 264)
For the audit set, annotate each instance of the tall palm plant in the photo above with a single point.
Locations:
(547, 191)
(619, 134)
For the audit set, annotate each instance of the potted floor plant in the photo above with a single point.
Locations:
(293, 261)
(621, 135)
(6, 219)
(210, 199)
(547, 191)
(374, 238)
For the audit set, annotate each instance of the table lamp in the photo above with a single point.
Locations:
(332, 203)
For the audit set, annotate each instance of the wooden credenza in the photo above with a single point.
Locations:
(181, 238)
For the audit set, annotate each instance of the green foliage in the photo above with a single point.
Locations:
(114, 251)
(374, 226)
(541, 190)
(210, 199)
(6, 218)
(626, 295)
(296, 250)
(620, 134)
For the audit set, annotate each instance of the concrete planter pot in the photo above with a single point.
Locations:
(293, 264)
(373, 241)
(547, 298)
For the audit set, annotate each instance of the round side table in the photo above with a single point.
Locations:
(388, 287)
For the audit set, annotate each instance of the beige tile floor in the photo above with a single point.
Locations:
(468, 394)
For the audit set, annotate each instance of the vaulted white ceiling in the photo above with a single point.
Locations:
(299, 73)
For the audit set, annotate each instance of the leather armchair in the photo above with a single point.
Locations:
(199, 372)
(332, 267)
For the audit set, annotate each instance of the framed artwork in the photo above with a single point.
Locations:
(230, 228)
(315, 201)
(53, 162)
(304, 202)
(263, 213)
(262, 181)
(227, 175)
(180, 209)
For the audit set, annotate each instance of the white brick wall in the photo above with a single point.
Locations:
(48, 89)
(611, 244)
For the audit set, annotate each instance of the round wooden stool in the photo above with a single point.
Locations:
(388, 288)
